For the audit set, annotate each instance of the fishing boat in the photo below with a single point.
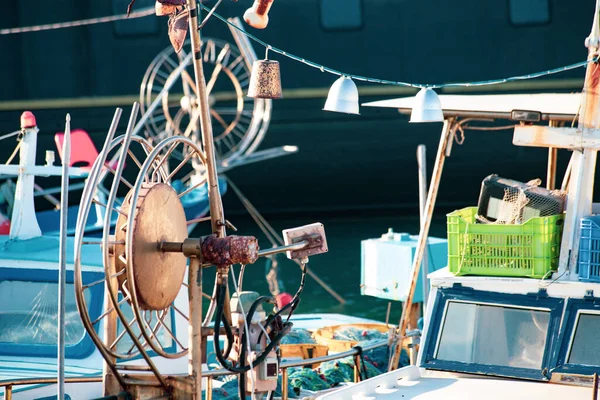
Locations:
(496, 326)
(29, 278)
(167, 102)
(152, 333)
(488, 41)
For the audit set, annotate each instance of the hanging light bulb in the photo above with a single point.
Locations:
(427, 107)
(265, 81)
(342, 97)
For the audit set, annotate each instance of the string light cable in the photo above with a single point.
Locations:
(332, 71)
(211, 12)
(82, 22)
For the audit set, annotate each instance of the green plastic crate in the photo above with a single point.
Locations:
(527, 250)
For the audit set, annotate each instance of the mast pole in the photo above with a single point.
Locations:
(216, 205)
(581, 186)
(62, 257)
(443, 151)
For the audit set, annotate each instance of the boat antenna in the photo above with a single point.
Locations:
(62, 256)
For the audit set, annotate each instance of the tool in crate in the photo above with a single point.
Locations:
(506, 201)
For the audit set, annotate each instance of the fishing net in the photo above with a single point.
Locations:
(352, 333)
(329, 374)
(308, 379)
(229, 391)
(298, 336)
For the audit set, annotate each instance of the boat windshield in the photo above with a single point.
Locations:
(494, 335)
(585, 347)
(29, 314)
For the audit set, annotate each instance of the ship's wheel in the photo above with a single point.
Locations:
(239, 122)
(144, 285)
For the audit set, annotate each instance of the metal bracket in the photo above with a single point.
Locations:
(314, 234)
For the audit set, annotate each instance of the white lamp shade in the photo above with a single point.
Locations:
(427, 107)
(342, 97)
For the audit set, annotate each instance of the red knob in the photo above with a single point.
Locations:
(28, 120)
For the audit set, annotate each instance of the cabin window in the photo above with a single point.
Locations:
(585, 346)
(493, 335)
(341, 14)
(529, 12)
(29, 314)
(135, 27)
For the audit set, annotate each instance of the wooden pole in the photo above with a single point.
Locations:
(195, 329)
(552, 158)
(581, 186)
(110, 383)
(216, 205)
(445, 141)
(422, 163)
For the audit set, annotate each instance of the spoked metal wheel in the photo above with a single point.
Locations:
(238, 121)
(105, 174)
(144, 285)
(154, 213)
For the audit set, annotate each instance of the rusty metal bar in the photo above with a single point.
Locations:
(8, 393)
(177, 247)
(595, 387)
(445, 140)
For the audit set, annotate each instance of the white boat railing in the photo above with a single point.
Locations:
(356, 351)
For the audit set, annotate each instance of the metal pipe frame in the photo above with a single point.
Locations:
(493, 115)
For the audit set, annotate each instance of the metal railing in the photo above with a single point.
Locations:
(8, 385)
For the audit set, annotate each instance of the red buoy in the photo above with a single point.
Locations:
(283, 299)
(4, 225)
(28, 120)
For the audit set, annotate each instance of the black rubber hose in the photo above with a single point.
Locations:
(292, 304)
(224, 363)
(242, 360)
(229, 335)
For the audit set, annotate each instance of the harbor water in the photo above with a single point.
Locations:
(340, 268)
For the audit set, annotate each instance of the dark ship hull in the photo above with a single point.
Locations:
(363, 163)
